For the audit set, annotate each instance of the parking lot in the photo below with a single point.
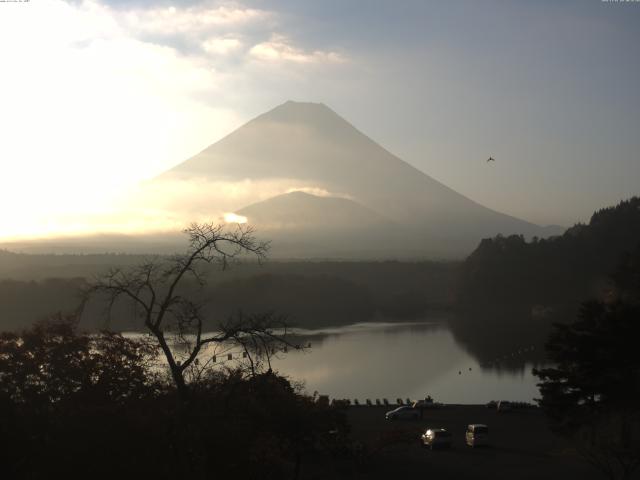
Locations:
(521, 445)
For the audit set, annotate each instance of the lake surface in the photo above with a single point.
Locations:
(407, 360)
(412, 360)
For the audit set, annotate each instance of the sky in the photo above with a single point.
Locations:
(97, 96)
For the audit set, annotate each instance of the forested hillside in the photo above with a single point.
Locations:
(515, 289)
(309, 294)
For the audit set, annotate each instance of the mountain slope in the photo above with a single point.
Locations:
(303, 210)
(301, 225)
(309, 143)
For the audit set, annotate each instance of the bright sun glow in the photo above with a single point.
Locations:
(88, 111)
(233, 218)
(95, 100)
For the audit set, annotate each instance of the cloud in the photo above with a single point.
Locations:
(170, 203)
(221, 46)
(280, 49)
(194, 20)
(92, 110)
(202, 196)
(220, 30)
(319, 192)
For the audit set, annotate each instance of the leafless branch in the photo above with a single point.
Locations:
(152, 289)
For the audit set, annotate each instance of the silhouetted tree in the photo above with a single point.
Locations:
(592, 393)
(70, 400)
(175, 318)
(52, 362)
(73, 403)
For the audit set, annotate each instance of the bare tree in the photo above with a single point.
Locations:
(176, 319)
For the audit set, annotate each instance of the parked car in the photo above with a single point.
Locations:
(436, 438)
(426, 403)
(402, 413)
(477, 435)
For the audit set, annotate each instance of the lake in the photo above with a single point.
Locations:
(407, 360)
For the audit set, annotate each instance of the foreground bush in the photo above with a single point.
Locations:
(94, 406)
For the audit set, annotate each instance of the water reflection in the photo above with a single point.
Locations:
(400, 360)
(390, 360)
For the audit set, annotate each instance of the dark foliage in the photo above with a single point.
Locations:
(74, 405)
(592, 392)
(520, 288)
(512, 271)
(53, 363)
(70, 400)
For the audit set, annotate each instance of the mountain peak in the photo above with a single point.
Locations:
(308, 145)
(296, 104)
(316, 115)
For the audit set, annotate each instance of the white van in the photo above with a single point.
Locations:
(477, 435)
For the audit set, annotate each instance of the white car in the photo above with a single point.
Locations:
(436, 438)
(403, 413)
(477, 435)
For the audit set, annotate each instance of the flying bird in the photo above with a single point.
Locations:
(491, 159)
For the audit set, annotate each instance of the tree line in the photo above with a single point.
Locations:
(519, 287)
